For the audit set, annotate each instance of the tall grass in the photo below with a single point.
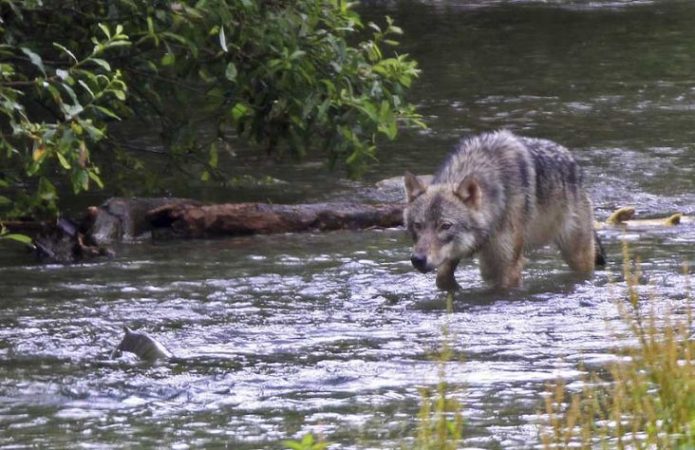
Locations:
(439, 420)
(644, 400)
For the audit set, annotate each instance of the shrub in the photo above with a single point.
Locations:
(284, 76)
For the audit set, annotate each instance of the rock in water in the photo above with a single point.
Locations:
(142, 345)
(64, 242)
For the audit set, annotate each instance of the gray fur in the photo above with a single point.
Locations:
(495, 196)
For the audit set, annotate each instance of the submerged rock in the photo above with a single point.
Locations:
(142, 345)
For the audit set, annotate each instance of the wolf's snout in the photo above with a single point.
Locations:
(420, 263)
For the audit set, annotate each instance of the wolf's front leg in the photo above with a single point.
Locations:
(445, 276)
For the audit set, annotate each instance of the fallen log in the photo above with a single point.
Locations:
(234, 219)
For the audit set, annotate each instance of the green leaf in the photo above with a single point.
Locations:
(212, 161)
(70, 92)
(112, 44)
(102, 63)
(4, 200)
(297, 54)
(63, 162)
(66, 51)
(22, 238)
(46, 190)
(35, 59)
(105, 30)
(239, 111)
(107, 112)
(205, 176)
(80, 181)
(94, 133)
(86, 88)
(230, 73)
(223, 40)
(168, 59)
(96, 178)
(71, 111)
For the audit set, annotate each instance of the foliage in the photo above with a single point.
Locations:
(308, 442)
(16, 237)
(284, 76)
(646, 401)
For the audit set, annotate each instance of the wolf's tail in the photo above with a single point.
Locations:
(600, 258)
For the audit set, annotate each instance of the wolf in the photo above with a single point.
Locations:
(495, 196)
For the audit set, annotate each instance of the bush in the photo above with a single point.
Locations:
(282, 75)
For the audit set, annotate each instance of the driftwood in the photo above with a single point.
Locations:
(625, 217)
(234, 219)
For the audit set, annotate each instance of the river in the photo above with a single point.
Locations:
(335, 333)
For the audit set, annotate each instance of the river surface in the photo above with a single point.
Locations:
(335, 333)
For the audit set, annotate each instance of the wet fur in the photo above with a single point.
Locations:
(496, 196)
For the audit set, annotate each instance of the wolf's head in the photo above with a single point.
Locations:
(444, 220)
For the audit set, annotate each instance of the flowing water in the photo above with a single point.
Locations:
(335, 333)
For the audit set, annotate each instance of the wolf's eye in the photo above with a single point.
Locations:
(445, 226)
(417, 226)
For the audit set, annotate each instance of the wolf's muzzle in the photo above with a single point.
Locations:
(420, 263)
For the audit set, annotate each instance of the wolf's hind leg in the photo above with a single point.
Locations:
(579, 253)
(576, 240)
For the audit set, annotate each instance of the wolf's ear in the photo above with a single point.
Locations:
(414, 187)
(469, 192)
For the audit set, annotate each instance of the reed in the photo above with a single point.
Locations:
(645, 399)
(439, 419)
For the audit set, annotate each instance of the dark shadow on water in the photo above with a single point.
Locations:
(534, 289)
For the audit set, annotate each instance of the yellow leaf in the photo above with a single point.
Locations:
(84, 155)
(39, 152)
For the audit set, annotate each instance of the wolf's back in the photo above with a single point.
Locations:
(491, 154)
(512, 158)
(557, 173)
(501, 163)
